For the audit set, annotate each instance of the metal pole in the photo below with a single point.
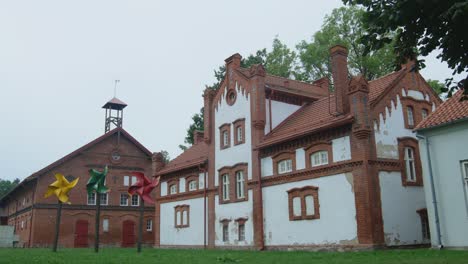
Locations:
(140, 228)
(57, 225)
(98, 212)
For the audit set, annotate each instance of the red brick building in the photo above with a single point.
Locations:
(33, 216)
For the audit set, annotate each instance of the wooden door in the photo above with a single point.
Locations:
(81, 233)
(128, 233)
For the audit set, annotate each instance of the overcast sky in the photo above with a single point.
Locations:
(59, 60)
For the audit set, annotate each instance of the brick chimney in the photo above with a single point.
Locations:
(157, 162)
(198, 136)
(233, 62)
(339, 65)
(208, 97)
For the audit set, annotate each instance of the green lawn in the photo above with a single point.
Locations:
(163, 256)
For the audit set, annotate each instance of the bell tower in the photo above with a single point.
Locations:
(114, 113)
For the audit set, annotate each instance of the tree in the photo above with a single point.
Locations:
(6, 186)
(420, 27)
(343, 26)
(197, 124)
(166, 157)
(437, 86)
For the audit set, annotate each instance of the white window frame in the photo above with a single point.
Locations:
(124, 195)
(424, 113)
(106, 195)
(193, 185)
(322, 156)
(410, 115)
(94, 199)
(126, 180)
(410, 165)
(240, 192)
(149, 225)
(225, 182)
(225, 138)
(105, 225)
(241, 232)
(239, 134)
(226, 232)
(138, 200)
(173, 189)
(284, 166)
(464, 171)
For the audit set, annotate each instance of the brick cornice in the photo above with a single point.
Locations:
(92, 207)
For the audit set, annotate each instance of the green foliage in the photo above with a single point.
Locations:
(343, 26)
(197, 124)
(280, 60)
(428, 25)
(437, 86)
(166, 157)
(7, 185)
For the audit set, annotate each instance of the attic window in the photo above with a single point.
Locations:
(231, 97)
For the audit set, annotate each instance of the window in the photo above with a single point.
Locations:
(149, 225)
(319, 158)
(303, 203)
(464, 167)
(226, 232)
(225, 187)
(232, 185)
(134, 179)
(104, 198)
(135, 200)
(284, 166)
(240, 184)
(409, 164)
(192, 185)
(239, 130)
(123, 199)
(410, 116)
(225, 131)
(91, 198)
(241, 232)
(426, 233)
(126, 180)
(22, 224)
(424, 113)
(182, 216)
(231, 96)
(411, 170)
(173, 189)
(105, 225)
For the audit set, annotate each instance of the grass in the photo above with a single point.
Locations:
(163, 256)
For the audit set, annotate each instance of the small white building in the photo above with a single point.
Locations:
(443, 141)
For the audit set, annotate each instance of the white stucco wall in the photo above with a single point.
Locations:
(402, 224)
(279, 112)
(181, 185)
(341, 148)
(201, 180)
(389, 130)
(229, 157)
(233, 211)
(448, 146)
(192, 235)
(228, 114)
(337, 223)
(163, 188)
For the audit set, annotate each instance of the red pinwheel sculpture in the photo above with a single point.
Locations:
(143, 187)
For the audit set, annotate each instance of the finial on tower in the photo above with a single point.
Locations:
(114, 111)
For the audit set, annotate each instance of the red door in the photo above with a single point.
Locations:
(128, 233)
(81, 233)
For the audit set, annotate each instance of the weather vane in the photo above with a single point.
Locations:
(115, 87)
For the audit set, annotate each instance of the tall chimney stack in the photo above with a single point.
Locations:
(339, 65)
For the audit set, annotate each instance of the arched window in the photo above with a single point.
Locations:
(284, 166)
(192, 185)
(319, 158)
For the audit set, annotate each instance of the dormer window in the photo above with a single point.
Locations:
(319, 158)
(192, 185)
(173, 189)
(284, 166)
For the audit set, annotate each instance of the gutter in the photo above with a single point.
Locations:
(456, 121)
(434, 198)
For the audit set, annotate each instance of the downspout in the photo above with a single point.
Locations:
(204, 210)
(434, 198)
(32, 214)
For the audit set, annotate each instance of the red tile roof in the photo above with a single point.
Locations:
(115, 103)
(378, 86)
(295, 87)
(310, 118)
(194, 156)
(450, 111)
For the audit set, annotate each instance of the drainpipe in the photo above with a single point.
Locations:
(204, 210)
(434, 199)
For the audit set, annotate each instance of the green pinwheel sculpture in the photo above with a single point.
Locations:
(96, 184)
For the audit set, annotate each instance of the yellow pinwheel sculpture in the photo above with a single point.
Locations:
(60, 188)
